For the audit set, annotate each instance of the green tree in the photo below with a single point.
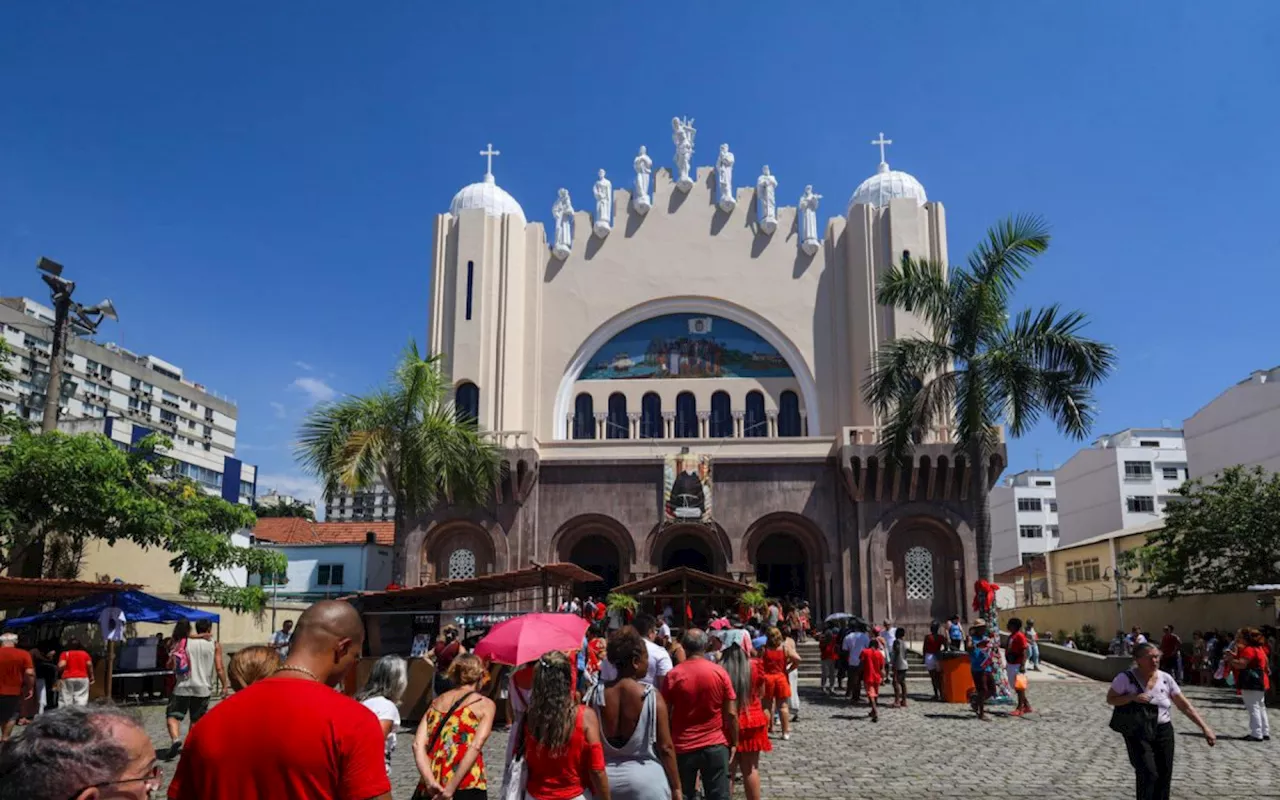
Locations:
(408, 436)
(70, 489)
(1222, 536)
(976, 367)
(292, 509)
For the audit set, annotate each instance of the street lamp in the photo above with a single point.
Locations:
(86, 322)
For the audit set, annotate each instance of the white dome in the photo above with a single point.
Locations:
(487, 195)
(887, 184)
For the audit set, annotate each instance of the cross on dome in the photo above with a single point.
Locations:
(489, 153)
(881, 141)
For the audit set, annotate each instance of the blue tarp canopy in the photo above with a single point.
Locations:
(137, 607)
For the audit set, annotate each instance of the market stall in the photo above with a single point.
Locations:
(112, 610)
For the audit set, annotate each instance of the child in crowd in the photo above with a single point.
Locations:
(873, 673)
(982, 667)
(898, 659)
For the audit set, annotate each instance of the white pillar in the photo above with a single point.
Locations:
(737, 423)
(633, 424)
(668, 424)
(804, 422)
(772, 417)
(602, 419)
(704, 418)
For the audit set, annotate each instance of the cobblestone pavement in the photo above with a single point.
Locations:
(934, 750)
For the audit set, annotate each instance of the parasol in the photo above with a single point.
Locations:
(527, 638)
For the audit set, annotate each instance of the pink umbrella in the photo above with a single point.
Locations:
(524, 639)
(720, 624)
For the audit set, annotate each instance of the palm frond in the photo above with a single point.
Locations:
(920, 286)
(901, 367)
(1010, 246)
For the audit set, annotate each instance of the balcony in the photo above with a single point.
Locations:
(934, 470)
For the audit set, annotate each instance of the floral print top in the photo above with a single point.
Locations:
(458, 732)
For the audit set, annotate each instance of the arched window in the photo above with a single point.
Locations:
(466, 402)
(686, 416)
(651, 416)
(754, 425)
(788, 414)
(919, 567)
(721, 417)
(584, 418)
(462, 564)
(617, 427)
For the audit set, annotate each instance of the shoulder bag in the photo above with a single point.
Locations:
(1135, 720)
(516, 778)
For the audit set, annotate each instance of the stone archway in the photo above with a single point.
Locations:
(700, 547)
(457, 551)
(922, 558)
(599, 555)
(789, 553)
(598, 543)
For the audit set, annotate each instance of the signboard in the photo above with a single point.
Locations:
(686, 488)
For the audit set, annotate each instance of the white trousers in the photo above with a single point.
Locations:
(794, 678)
(75, 692)
(1256, 702)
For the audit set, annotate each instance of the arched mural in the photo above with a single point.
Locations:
(686, 346)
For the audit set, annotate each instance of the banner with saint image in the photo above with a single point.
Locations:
(686, 488)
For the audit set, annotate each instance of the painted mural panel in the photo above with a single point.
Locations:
(686, 346)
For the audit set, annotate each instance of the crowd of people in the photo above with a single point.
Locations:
(632, 714)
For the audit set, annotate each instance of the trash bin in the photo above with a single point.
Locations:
(956, 678)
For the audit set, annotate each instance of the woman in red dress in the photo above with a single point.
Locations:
(747, 677)
(777, 689)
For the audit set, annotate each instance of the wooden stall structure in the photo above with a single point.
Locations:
(685, 589)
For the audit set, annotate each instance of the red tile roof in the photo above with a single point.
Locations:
(296, 530)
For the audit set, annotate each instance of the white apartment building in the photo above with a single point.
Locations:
(1024, 518)
(124, 395)
(1122, 481)
(375, 504)
(1239, 426)
(273, 498)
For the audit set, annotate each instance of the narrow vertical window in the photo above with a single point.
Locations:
(471, 274)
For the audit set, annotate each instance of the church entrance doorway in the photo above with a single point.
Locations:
(597, 553)
(687, 550)
(782, 566)
(922, 562)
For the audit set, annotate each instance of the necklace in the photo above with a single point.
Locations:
(303, 670)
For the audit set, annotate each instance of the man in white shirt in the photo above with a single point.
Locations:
(854, 644)
(659, 659)
(888, 634)
(664, 630)
(280, 639)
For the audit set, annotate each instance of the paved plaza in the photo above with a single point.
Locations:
(934, 750)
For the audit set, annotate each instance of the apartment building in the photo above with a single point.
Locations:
(1024, 519)
(101, 380)
(1122, 481)
(1239, 426)
(375, 504)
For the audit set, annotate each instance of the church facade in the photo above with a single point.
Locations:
(675, 378)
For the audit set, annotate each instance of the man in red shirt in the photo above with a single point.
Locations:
(703, 711)
(1015, 658)
(292, 735)
(17, 681)
(1170, 644)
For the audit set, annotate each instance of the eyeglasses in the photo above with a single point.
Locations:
(152, 778)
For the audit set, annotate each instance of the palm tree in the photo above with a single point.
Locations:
(978, 367)
(408, 436)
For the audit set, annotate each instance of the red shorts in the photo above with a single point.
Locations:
(873, 690)
(777, 687)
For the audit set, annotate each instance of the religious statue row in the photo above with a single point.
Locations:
(683, 134)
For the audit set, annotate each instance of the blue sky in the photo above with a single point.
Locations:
(254, 183)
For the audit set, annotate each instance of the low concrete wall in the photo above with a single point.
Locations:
(1187, 613)
(1090, 665)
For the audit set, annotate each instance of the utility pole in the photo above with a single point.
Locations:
(87, 321)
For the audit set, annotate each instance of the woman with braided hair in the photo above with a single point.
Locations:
(563, 756)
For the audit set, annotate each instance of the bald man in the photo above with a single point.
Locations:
(292, 735)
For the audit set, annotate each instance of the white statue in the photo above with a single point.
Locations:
(808, 211)
(683, 133)
(640, 197)
(563, 213)
(766, 203)
(603, 193)
(724, 179)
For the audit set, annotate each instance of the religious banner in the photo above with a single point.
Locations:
(686, 488)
